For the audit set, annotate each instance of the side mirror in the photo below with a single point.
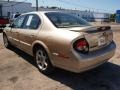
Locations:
(12, 25)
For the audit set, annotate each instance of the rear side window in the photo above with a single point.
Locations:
(32, 22)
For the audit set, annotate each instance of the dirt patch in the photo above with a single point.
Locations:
(9, 68)
(13, 79)
(118, 56)
(18, 72)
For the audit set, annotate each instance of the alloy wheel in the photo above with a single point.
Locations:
(41, 59)
(5, 41)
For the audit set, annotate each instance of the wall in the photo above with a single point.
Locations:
(13, 7)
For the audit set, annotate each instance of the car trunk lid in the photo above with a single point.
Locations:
(96, 36)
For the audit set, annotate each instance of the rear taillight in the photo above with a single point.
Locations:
(81, 46)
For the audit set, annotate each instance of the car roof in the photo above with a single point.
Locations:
(37, 12)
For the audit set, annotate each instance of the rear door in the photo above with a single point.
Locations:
(29, 32)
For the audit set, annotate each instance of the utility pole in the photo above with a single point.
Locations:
(36, 5)
(8, 0)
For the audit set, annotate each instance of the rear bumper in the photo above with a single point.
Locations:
(93, 59)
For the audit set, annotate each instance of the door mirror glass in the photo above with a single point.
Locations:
(12, 25)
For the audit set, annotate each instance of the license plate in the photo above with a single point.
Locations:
(101, 41)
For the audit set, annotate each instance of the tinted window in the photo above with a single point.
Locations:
(32, 22)
(19, 21)
(62, 20)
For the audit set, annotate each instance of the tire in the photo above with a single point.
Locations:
(6, 42)
(43, 62)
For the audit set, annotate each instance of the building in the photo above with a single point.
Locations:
(12, 7)
(9, 8)
(118, 16)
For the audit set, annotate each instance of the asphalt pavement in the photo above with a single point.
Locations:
(18, 72)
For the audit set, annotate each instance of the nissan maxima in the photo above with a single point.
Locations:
(58, 39)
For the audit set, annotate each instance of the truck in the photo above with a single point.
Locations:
(3, 22)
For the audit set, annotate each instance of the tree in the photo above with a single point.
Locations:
(112, 17)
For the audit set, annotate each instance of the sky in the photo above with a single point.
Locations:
(94, 5)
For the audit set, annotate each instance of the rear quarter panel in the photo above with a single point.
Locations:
(59, 45)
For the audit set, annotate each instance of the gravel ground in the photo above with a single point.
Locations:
(18, 72)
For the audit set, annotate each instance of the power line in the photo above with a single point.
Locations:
(68, 3)
(43, 1)
(65, 2)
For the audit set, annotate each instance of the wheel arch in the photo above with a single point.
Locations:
(4, 33)
(37, 44)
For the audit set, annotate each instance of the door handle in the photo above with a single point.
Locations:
(15, 32)
(32, 35)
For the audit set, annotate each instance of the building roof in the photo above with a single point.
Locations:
(12, 3)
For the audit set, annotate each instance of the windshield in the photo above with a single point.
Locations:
(63, 20)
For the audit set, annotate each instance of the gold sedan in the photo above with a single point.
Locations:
(58, 39)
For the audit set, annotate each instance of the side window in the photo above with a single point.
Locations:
(32, 22)
(19, 21)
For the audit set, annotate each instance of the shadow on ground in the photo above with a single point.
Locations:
(105, 77)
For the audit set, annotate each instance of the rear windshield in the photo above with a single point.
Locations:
(63, 20)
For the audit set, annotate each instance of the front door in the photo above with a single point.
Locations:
(15, 30)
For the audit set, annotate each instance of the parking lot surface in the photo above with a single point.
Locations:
(18, 72)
